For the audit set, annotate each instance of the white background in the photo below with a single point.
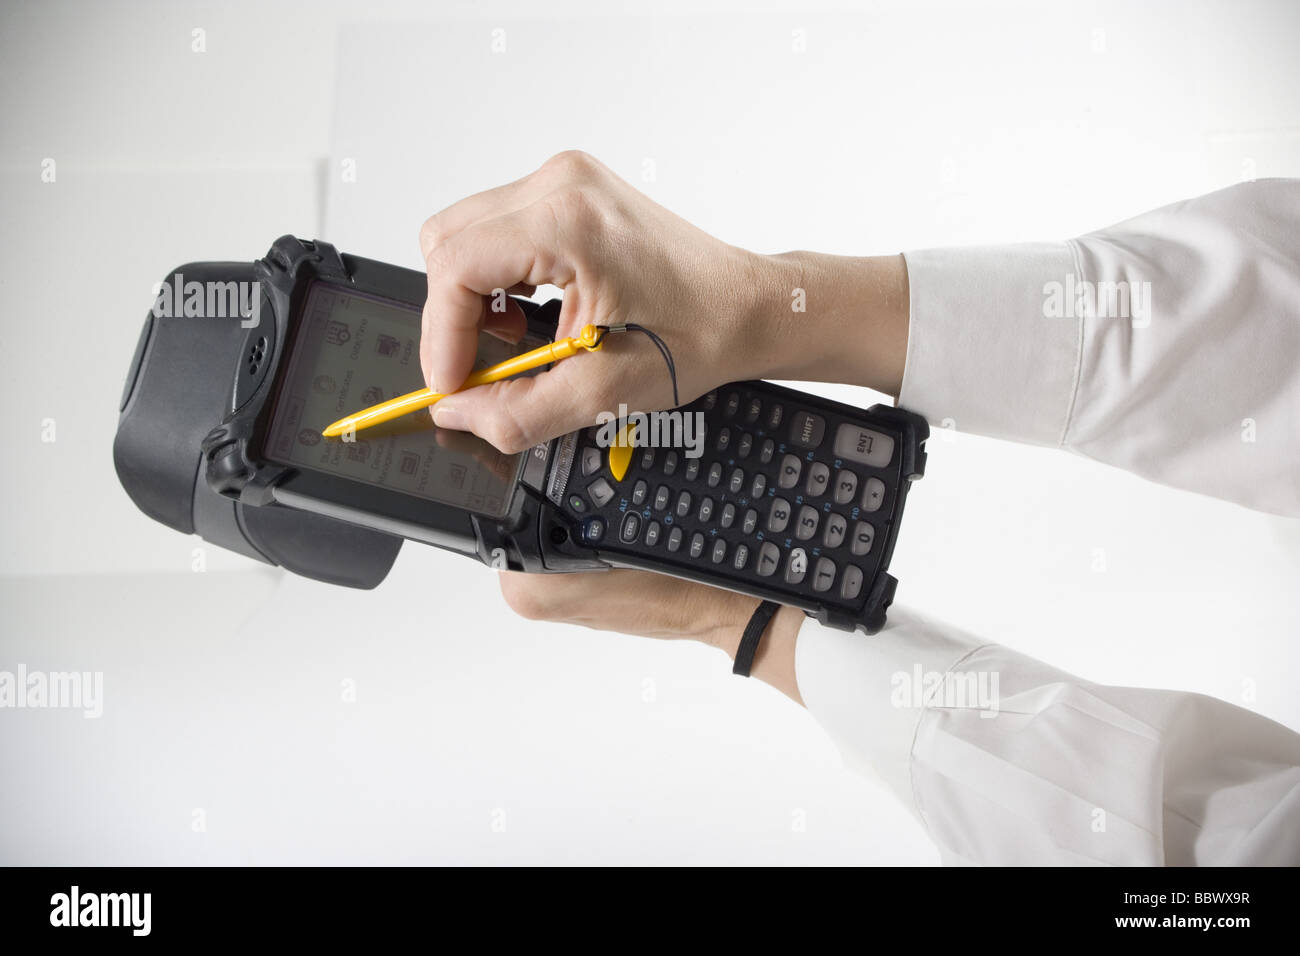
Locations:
(476, 737)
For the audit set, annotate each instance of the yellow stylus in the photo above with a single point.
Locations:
(589, 340)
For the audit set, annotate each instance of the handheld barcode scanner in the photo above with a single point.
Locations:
(789, 497)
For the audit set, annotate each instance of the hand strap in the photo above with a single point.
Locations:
(749, 641)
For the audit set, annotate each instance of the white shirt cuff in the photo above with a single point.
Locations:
(982, 354)
(867, 691)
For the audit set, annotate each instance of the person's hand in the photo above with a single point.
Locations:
(725, 313)
(655, 605)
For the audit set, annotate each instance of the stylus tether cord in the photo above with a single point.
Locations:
(659, 344)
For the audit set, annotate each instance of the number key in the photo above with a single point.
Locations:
(863, 535)
(833, 537)
(779, 516)
(807, 525)
(819, 477)
(790, 469)
(846, 486)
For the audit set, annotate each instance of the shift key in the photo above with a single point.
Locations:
(863, 445)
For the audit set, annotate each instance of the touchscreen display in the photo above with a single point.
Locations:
(353, 350)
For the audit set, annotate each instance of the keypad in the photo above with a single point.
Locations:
(792, 497)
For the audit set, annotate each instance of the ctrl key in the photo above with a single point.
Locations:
(631, 529)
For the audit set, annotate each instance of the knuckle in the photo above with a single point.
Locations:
(438, 260)
(573, 164)
(507, 430)
(431, 235)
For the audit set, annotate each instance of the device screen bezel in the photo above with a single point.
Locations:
(402, 287)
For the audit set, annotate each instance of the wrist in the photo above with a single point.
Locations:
(823, 318)
(774, 662)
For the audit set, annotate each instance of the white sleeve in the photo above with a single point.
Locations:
(1168, 345)
(1008, 761)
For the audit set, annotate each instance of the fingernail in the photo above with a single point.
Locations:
(448, 416)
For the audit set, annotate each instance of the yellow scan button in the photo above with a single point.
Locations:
(620, 453)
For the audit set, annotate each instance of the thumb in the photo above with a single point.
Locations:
(517, 413)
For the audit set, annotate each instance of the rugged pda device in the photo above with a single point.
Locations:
(789, 497)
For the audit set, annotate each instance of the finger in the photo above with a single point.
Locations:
(508, 326)
(479, 261)
(517, 413)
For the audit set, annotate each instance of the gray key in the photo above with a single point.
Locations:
(724, 439)
(753, 410)
(851, 585)
(769, 556)
(806, 527)
(863, 445)
(710, 400)
(745, 446)
(807, 430)
(675, 539)
(692, 469)
(631, 527)
(670, 463)
(873, 494)
(774, 416)
(719, 551)
(601, 492)
(790, 469)
(661, 497)
(741, 557)
(706, 509)
(759, 486)
(652, 533)
(863, 535)
(736, 481)
(647, 459)
(639, 491)
(697, 545)
(751, 521)
(833, 537)
(797, 566)
(846, 486)
(779, 515)
(683, 504)
(733, 403)
(819, 476)
(590, 461)
(824, 576)
(715, 474)
(728, 516)
(766, 450)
